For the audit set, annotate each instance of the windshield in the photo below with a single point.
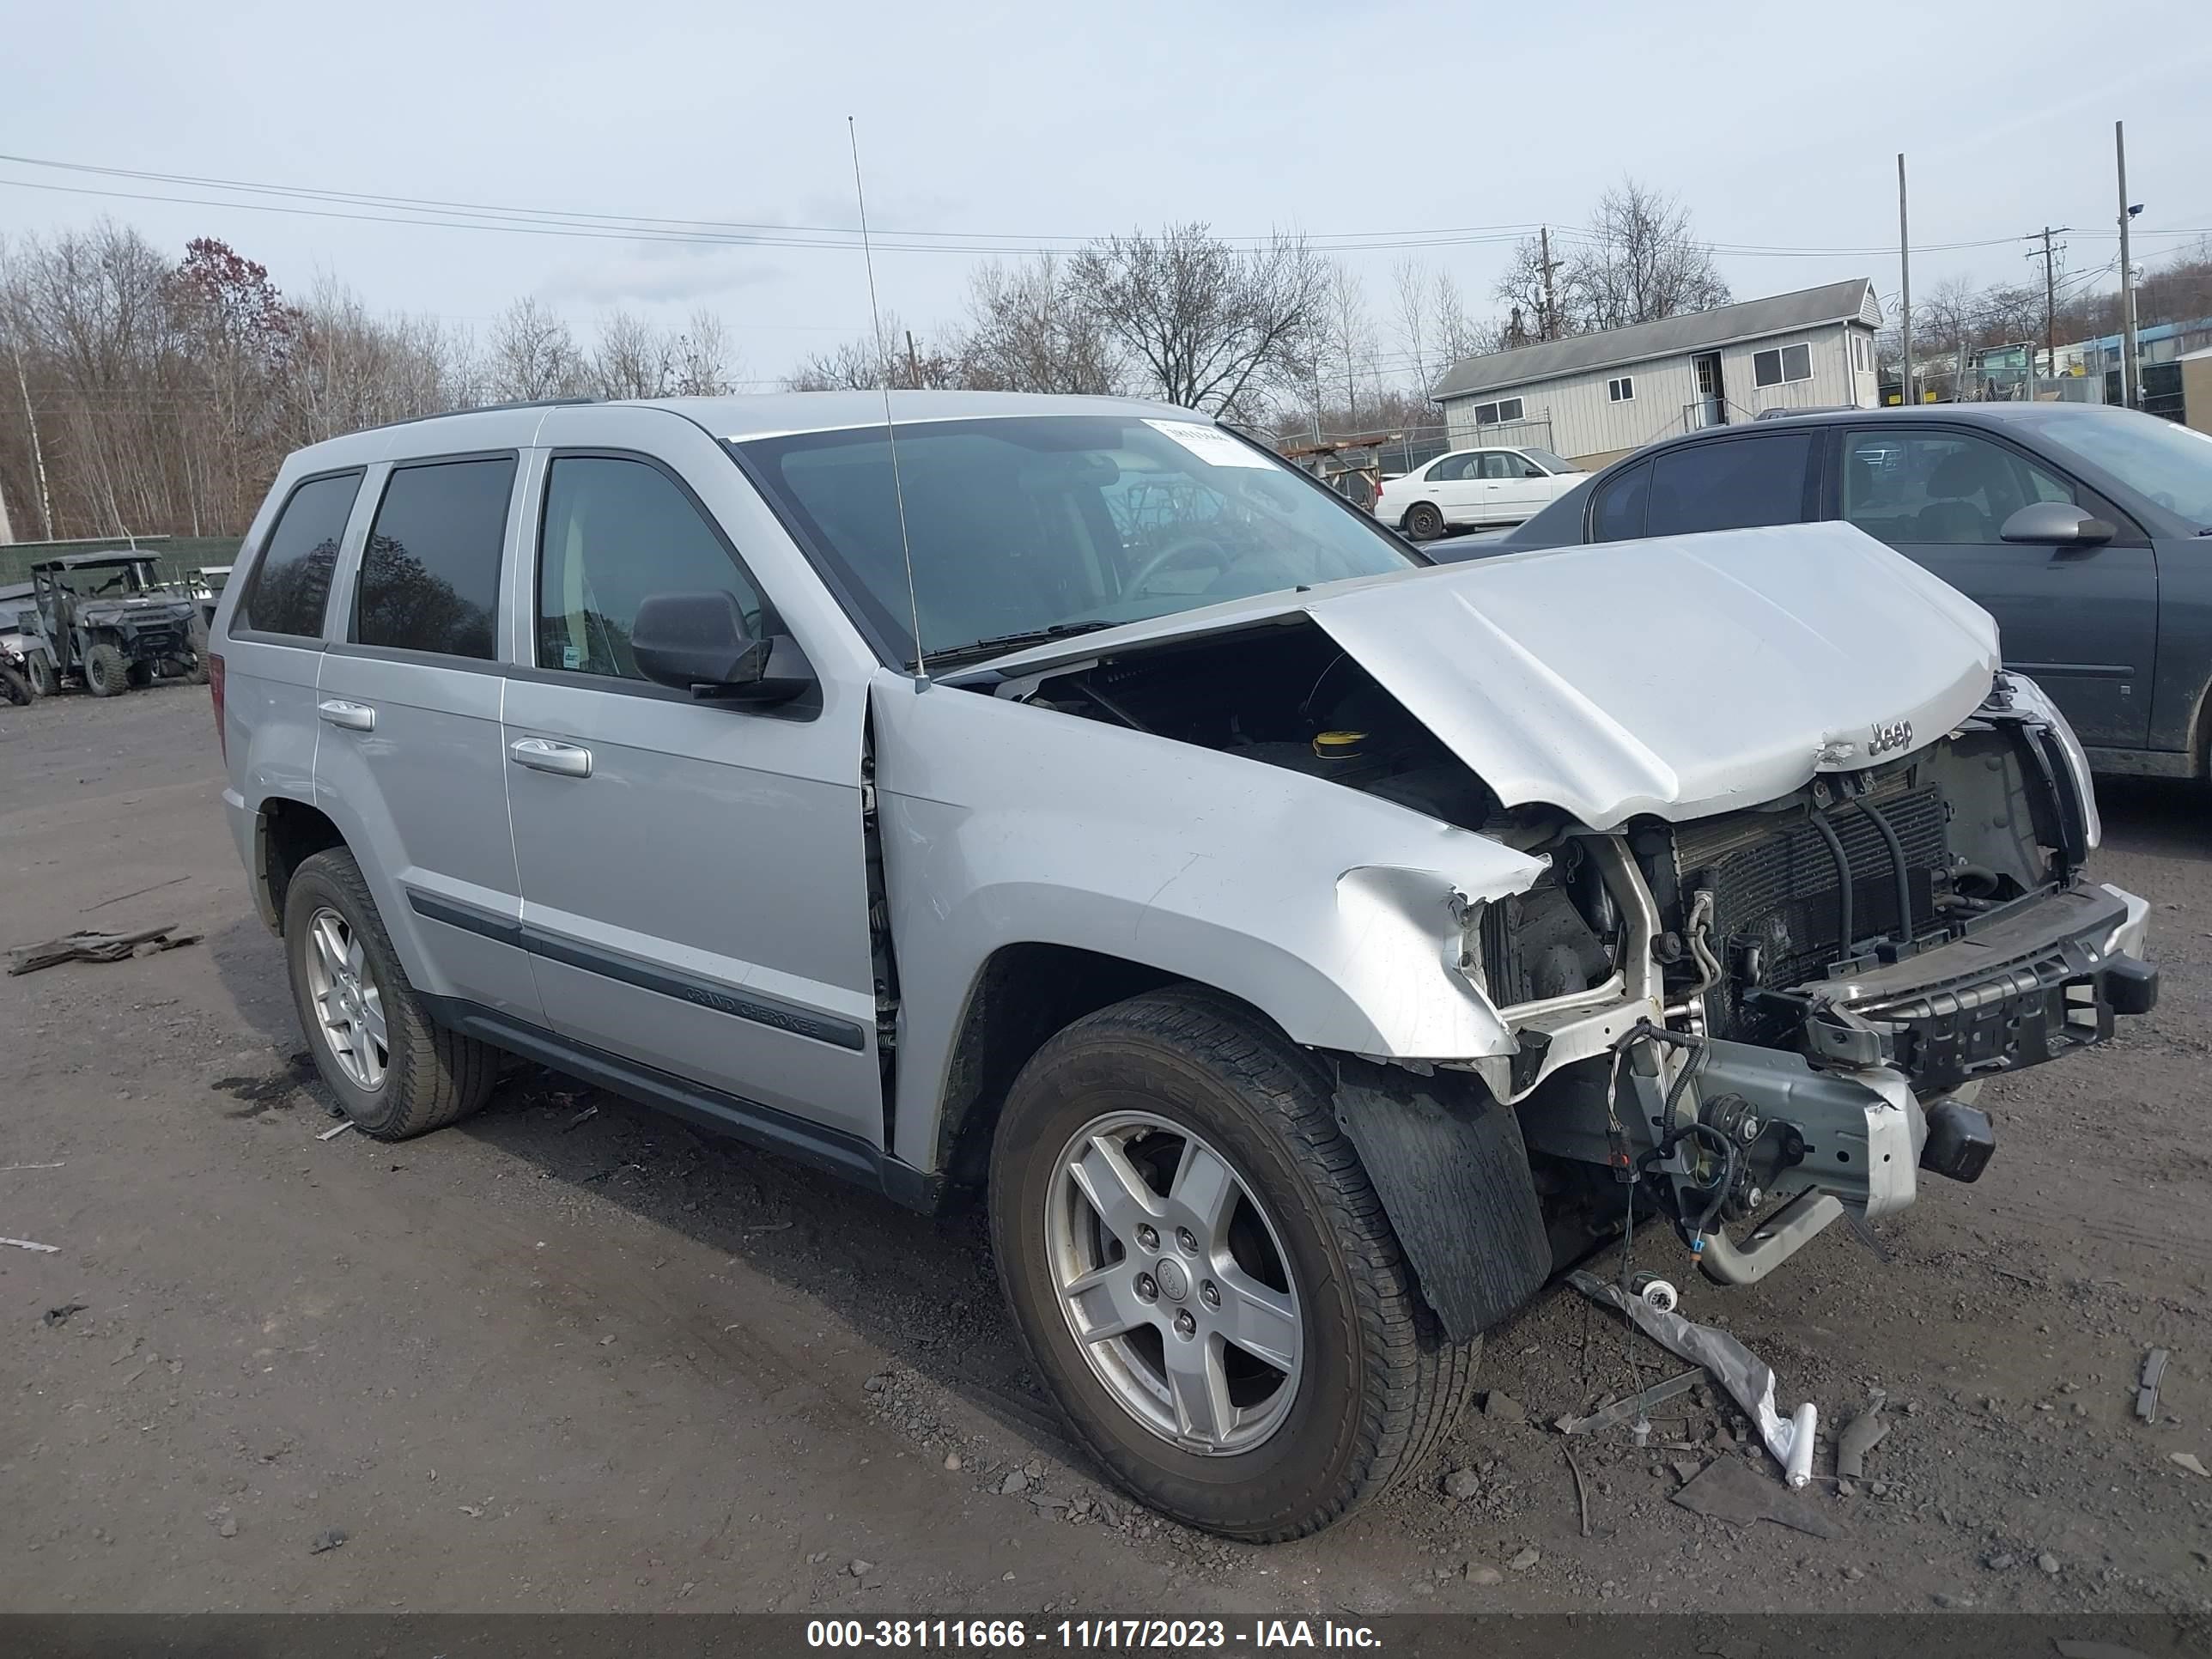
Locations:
(1033, 524)
(1549, 462)
(2169, 464)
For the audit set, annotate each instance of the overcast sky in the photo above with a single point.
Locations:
(1776, 124)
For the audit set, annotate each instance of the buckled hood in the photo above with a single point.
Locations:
(1680, 677)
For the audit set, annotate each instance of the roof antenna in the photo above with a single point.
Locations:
(890, 430)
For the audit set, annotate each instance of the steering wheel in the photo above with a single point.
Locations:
(1176, 552)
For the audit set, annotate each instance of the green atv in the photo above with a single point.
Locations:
(110, 621)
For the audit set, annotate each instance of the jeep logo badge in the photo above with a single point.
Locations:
(1889, 735)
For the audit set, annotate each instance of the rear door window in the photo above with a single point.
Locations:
(1730, 485)
(429, 577)
(1617, 515)
(292, 583)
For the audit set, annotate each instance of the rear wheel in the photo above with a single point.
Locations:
(15, 688)
(105, 673)
(196, 665)
(1424, 521)
(394, 1070)
(1205, 1277)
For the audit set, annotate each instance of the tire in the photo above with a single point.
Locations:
(16, 688)
(430, 1077)
(43, 680)
(105, 673)
(1376, 1385)
(1424, 521)
(196, 665)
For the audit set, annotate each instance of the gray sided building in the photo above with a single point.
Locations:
(1605, 394)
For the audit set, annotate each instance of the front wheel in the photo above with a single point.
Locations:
(1424, 521)
(105, 673)
(1203, 1275)
(43, 680)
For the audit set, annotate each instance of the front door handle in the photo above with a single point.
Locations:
(348, 716)
(543, 755)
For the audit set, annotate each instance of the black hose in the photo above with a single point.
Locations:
(1898, 865)
(1843, 880)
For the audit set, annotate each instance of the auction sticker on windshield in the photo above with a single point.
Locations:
(1210, 444)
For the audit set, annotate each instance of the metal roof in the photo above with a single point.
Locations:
(1550, 360)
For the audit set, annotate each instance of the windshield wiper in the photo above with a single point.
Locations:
(999, 645)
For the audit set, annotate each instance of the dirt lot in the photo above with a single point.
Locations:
(570, 1355)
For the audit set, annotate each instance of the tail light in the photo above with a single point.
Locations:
(214, 692)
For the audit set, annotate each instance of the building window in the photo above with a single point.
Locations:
(1506, 409)
(1781, 365)
(1621, 390)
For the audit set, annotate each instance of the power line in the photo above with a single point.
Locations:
(349, 205)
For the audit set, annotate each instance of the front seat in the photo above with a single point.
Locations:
(1952, 515)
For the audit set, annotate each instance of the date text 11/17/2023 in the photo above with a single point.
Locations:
(1173, 1635)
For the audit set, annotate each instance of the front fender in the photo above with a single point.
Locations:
(1338, 915)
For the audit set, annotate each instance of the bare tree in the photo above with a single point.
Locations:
(1409, 317)
(1349, 334)
(1206, 326)
(532, 355)
(895, 358)
(349, 369)
(1947, 318)
(1641, 260)
(630, 358)
(702, 364)
(1456, 334)
(1029, 331)
(1536, 293)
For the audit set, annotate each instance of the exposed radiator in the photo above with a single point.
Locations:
(1775, 891)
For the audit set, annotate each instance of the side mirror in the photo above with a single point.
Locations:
(2057, 523)
(700, 643)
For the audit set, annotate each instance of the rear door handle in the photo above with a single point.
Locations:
(543, 755)
(349, 716)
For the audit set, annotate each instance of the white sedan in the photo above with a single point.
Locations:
(1474, 487)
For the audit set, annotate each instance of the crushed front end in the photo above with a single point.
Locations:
(1839, 971)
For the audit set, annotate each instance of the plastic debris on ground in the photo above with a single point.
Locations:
(1747, 1377)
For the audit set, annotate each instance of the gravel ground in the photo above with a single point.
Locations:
(570, 1355)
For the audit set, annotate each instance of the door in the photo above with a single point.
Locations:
(272, 644)
(2082, 621)
(409, 760)
(694, 876)
(1453, 485)
(1506, 498)
(1713, 400)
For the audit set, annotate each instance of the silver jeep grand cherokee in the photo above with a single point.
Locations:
(1307, 951)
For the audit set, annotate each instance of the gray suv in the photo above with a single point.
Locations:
(1305, 951)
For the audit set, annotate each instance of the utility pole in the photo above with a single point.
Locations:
(1549, 329)
(2049, 300)
(913, 363)
(37, 455)
(2130, 369)
(1905, 280)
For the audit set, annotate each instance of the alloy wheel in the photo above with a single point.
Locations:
(1175, 1283)
(349, 1004)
